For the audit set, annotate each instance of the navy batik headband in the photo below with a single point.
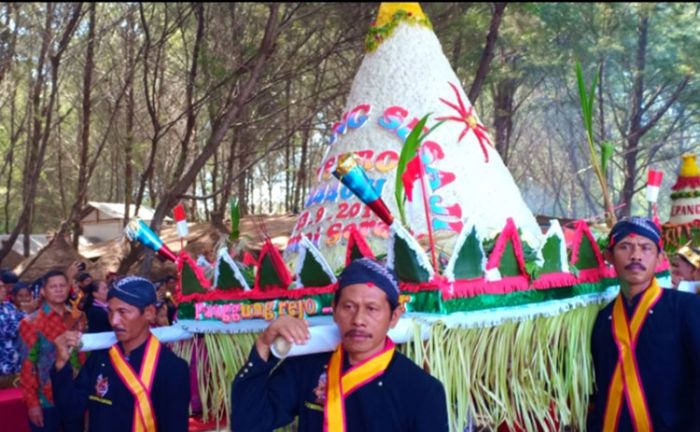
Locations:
(135, 290)
(367, 271)
(635, 225)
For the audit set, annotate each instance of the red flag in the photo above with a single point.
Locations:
(410, 175)
(655, 177)
(654, 184)
(181, 220)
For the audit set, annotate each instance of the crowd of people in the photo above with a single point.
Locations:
(34, 317)
(645, 347)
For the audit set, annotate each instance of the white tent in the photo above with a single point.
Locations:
(105, 221)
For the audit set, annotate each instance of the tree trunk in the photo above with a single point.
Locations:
(287, 150)
(487, 53)
(239, 97)
(81, 193)
(305, 137)
(503, 116)
(130, 110)
(7, 52)
(639, 110)
(40, 136)
(151, 96)
(15, 132)
(189, 94)
(242, 183)
(218, 217)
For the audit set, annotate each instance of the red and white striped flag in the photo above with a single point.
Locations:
(654, 184)
(181, 220)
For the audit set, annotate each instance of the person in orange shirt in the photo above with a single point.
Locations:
(37, 332)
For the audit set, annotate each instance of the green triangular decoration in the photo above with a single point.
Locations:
(312, 273)
(268, 275)
(227, 279)
(189, 281)
(406, 264)
(586, 256)
(552, 255)
(469, 258)
(355, 252)
(509, 264)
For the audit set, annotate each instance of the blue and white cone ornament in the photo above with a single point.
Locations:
(137, 230)
(354, 177)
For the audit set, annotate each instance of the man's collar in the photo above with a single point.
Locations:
(632, 303)
(136, 352)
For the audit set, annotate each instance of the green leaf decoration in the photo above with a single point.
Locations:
(685, 194)
(406, 263)
(469, 258)
(268, 275)
(190, 283)
(574, 271)
(551, 251)
(248, 273)
(529, 253)
(312, 273)
(606, 152)
(533, 269)
(235, 220)
(586, 256)
(227, 279)
(377, 35)
(509, 263)
(586, 99)
(408, 152)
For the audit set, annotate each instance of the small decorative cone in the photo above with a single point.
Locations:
(137, 230)
(354, 177)
(685, 195)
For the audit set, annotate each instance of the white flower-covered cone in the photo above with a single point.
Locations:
(405, 78)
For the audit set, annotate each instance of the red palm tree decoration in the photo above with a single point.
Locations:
(470, 121)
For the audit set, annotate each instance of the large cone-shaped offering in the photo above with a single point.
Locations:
(508, 309)
(404, 76)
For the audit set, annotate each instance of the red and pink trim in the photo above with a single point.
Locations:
(183, 258)
(510, 233)
(277, 263)
(355, 240)
(581, 231)
(686, 182)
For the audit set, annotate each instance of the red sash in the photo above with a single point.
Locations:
(341, 385)
(626, 379)
(139, 386)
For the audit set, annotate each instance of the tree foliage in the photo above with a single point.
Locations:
(155, 103)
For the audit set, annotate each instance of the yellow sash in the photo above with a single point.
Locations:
(340, 385)
(139, 386)
(626, 377)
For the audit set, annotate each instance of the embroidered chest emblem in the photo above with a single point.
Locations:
(320, 390)
(102, 385)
